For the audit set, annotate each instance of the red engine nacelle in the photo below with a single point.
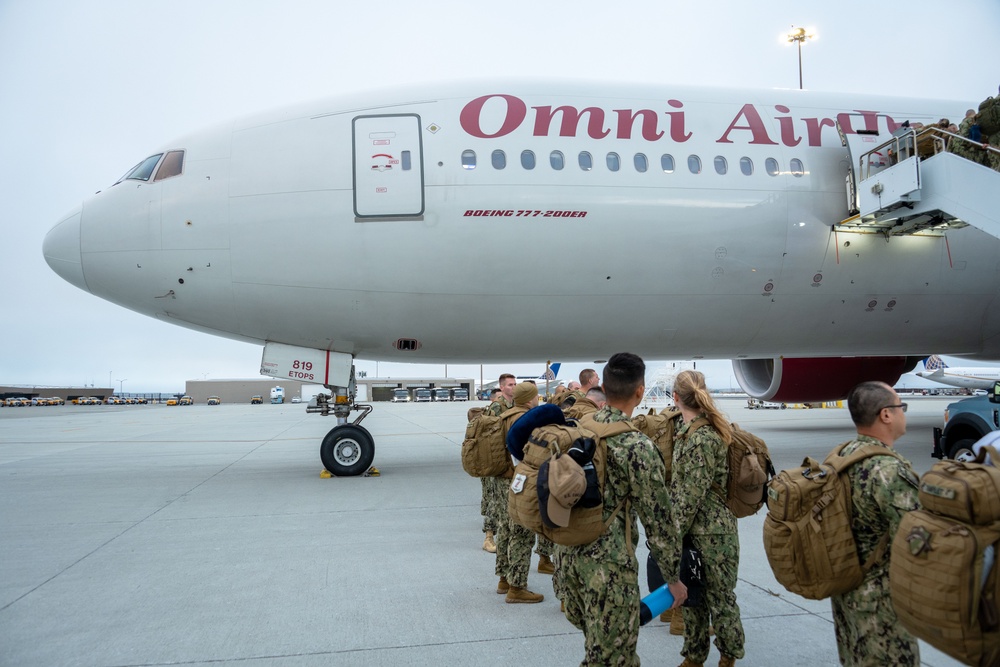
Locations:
(820, 379)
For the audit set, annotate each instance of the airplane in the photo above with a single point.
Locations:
(937, 370)
(815, 239)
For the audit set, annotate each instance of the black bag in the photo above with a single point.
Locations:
(692, 573)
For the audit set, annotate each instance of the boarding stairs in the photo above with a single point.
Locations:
(911, 185)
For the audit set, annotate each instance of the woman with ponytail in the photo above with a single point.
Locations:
(699, 513)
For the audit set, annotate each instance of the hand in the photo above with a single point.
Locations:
(680, 593)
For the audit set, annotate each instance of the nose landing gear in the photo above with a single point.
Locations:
(348, 449)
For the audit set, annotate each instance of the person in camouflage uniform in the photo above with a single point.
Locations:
(514, 540)
(883, 488)
(967, 149)
(600, 580)
(700, 472)
(485, 508)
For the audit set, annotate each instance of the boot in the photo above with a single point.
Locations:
(545, 565)
(727, 661)
(503, 586)
(489, 544)
(688, 663)
(677, 622)
(515, 595)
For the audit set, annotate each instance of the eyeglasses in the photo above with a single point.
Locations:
(901, 406)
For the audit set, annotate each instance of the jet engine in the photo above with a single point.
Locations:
(817, 379)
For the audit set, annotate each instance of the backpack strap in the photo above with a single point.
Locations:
(605, 430)
(840, 464)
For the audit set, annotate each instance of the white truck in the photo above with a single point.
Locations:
(277, 395)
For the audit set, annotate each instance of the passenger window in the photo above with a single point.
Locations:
(527, 159)
(797, 168)
(641, 163)
(468, 159)
(667, 163)
(721, 166)
(405, 160)
(614, 162)
(172, 165)
(557, 160)
(586, 161)
(771, 165)
(143, 170)
(499, 159)
(746, 166)
(694, 164)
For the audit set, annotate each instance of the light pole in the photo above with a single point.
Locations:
(799, 35)
(121, 385)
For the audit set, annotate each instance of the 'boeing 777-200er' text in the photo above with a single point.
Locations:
(816, 239)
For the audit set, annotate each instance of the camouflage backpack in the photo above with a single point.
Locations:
(988, 117)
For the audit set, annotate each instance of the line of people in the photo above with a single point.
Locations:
(597, 583)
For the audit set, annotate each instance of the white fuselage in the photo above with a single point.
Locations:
(304, 227)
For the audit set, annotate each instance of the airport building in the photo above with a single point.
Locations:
(369, 389)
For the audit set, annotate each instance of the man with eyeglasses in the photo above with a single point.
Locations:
(883, 488)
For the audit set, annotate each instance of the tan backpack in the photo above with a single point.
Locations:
(547, 442)
(660, 429)
(750, 469)
(484, 452)
(942, 575)
(749, 461)
(807, 531)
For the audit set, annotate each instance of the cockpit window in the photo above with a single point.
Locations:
(143, 170)
(173, 165)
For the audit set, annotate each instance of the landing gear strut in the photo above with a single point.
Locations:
(348, 449)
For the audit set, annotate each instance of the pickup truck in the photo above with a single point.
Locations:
(965, 422)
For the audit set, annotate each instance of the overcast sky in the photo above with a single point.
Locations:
(89, 88)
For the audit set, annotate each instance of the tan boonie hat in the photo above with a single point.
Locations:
(567, 484)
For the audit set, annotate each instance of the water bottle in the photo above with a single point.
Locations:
(655, 604)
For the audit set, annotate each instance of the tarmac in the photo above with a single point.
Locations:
(204, 535)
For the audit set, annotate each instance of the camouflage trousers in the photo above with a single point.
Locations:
(868, 632)
(720, 556)
(494, 503)
(994, 157)
(545, 547)
(602, 600)
(489, 523)
(514, 542)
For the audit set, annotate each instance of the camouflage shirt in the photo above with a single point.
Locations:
(700, 461)
(634, 472)
(497, 408)
(883, 488)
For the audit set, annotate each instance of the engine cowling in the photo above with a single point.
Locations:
(818, 379)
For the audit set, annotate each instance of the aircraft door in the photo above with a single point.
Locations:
(388, 167)
(860, 143)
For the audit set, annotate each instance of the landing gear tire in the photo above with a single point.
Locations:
(962, 450)
(347, 450)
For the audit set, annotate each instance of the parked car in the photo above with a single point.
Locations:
(214, 400)
(185, 400)
(296, 399)
(965, 422)
(171, 401)
(256, 400)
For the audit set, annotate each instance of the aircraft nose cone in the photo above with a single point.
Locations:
(61, 249)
